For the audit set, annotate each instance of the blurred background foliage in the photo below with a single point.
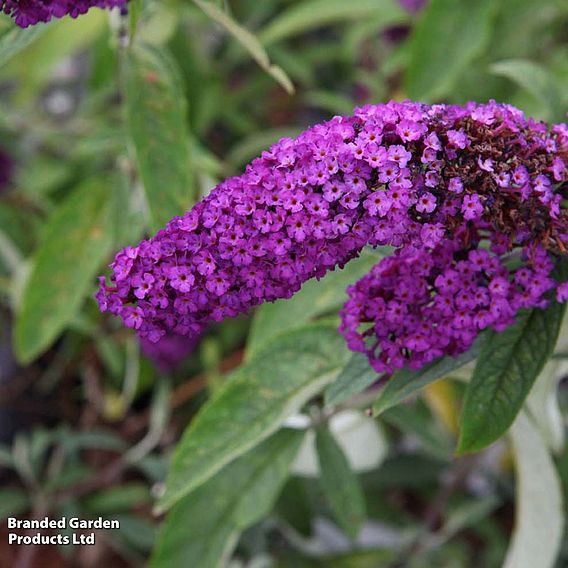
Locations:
(109, 127)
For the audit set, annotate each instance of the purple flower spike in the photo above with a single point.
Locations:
(427, 180)
(29, 12)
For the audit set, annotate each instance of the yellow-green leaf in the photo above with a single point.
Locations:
(157, 125)
(248, 41)
(75, 242)
(340, 484)
(301, 17)
(16, 39)
(406, 382)
(449, 35)
(317, 297)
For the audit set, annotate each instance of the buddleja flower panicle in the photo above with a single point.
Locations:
(432, 181)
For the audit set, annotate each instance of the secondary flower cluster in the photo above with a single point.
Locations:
(418, 305)
(29, 12)
(429, 180)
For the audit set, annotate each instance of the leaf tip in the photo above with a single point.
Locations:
(377, 409)
(468, 444)
(162, 505)
(23, 351)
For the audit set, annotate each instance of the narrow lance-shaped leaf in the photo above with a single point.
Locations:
(341, 486)
(13, 501)
(248, 41)
(467, 514)
(157, 126)
(34, 65)
(114, 500)
(202, 529)
(507, 367)
(253, 403)
(434, 67)
(75, 242)
(416, 420)
(13, 41)
(407, 382)
(536, 80)
(355, 377)
(134, 13)
(301, 17)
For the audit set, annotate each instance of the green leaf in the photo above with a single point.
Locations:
(301, 17)
(117, 499)
(35, 64)
(10, 257)
(135, 531)
(12, 42)
(19, 224)
(74, 472)
(508, 364)
(248, 408)
(449, 35)
(75, 242)
(332, 103)
(355, 377)
(539, 523)
(406, 382)
(416, 419)
(13, 502)
(157, 125)
(536, 80)
(368, 558)
(314, 299)
(341, 486)
(134, 13)
(522, 25)
(159, 416)
(203, 527)
(73, 441)
(467, 514)
(248, 41)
